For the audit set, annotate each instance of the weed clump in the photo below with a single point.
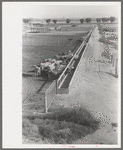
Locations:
(64, 126)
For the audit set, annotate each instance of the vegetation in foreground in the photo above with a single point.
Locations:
(64, 126)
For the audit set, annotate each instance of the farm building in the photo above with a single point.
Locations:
(51, 28)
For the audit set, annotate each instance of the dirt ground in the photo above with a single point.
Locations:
(95, 87)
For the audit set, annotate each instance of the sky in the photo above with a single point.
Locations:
(69, 10)
(51, 10)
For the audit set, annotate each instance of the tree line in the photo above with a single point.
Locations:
(87, 20)
(111, 19)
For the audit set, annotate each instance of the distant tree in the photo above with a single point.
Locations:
(54, 21)
(48, 20)
(105, 19)
(68, 21)
(88, 20)
(26, 20)
(38, 24)
(98, 19)
(112, 19)
(81, 20)
(108, 19)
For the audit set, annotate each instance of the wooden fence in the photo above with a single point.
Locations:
(40, 102)
(49, 95)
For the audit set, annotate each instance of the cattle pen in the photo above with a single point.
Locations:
(40, 102)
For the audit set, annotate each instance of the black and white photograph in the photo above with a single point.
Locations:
(68, 61)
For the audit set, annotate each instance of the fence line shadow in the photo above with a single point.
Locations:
(114, 75)
(27, 75)
(41, 87)
(31, 71)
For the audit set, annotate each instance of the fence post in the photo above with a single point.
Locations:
(56, 87)
(25, 33)
(45, 104)
(116, 65)
(98, 67)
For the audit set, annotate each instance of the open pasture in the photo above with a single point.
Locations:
(77, 27)
(110, 26)
(38, 47)
(67, 29)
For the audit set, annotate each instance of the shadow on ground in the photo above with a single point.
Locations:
(113, 75)
(27, 75)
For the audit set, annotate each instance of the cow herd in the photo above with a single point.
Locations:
(53, 66)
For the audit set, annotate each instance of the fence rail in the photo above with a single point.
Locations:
(49, 95)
